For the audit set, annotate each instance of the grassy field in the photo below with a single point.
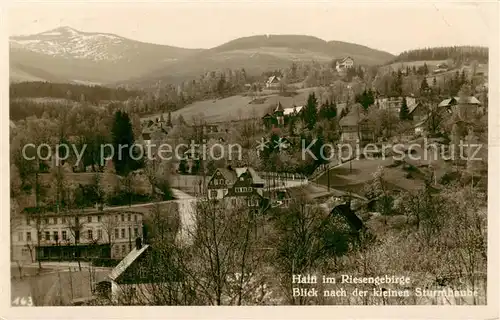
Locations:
(235, 107)
(354, 176)
(432, 64)
(451, 73)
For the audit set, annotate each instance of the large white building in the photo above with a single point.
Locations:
(79, 234)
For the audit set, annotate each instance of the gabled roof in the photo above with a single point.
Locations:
(288, 111)
(272, 78)
(413, 107)
(255, 176)
(279, 108)
(340, 107)
(347, 58)
(345, 211)
(455, 100)
(132, 256)
(421, 122)
(228, 174)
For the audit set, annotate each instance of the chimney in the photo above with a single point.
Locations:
(138, 243)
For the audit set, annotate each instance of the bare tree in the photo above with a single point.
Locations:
(75, 226)
(306, 236)
(109, 224)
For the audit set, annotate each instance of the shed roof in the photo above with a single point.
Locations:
(127, 262)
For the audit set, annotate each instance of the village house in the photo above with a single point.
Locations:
(464, 107)
(220, 182)
(132, 280)
(440, 67)
(237, 186)
(394, 103)
(355, 126)
(229, 182)
(344, 64)
(89, 233)
(273, 82)
(280, 116)
(153, 130)
(417, 112)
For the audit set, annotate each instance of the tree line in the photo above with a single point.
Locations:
(457, 53)
(75, 92)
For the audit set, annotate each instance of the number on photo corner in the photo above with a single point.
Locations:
(23, 301)
(16, 301)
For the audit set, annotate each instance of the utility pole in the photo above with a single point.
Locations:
(328, 176)
(203, 157)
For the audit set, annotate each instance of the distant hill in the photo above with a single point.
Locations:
(74, 56)
(69, 55)
(257, 54)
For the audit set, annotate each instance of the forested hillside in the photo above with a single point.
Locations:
(461, 53)
(75, 92)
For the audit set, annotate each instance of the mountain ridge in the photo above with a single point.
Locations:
(107, 58)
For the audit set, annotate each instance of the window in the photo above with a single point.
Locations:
(28, 236)
(20, 236)
(117, 251)
(98, 218)
(213, 193)
(47, 235)
(76, 220)
(63, 219)
(116, 234)
(124, 249)
(135, 217)
(123, 233)
(216, 182)
(89, 219)
(123, 217)
(89, 234)
(46, 221)
(55, 234)
(64, 235)
(129, 217)
(28, 221)
(253, 202)
(99, 234)
(136, 232)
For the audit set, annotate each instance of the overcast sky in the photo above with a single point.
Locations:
(389, 27)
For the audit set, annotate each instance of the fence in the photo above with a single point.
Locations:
(283, 176)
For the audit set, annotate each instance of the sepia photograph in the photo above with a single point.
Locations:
(249, 154)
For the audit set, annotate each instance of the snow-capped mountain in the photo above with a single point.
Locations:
(70, 43)
(88, 56)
